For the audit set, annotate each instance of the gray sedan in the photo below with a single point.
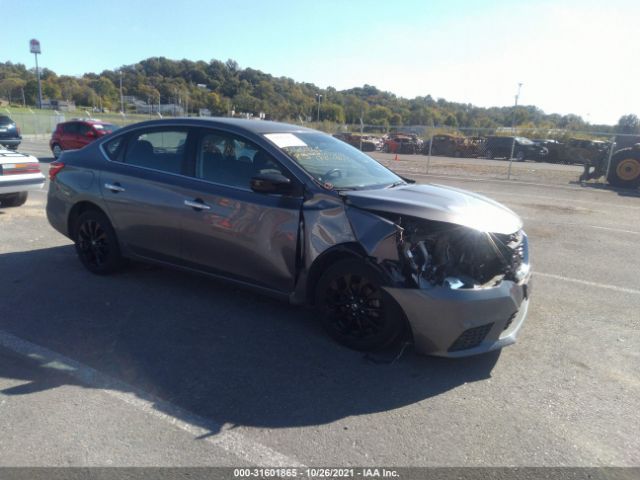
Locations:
(297, 214)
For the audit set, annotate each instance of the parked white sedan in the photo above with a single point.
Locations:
(19, 174)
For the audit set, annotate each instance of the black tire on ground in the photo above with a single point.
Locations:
(520, 156)
(489, 154)
(13, 147)
(56, 150)
(96, 243)
(355, 310)
(13, 199)
(624, 170)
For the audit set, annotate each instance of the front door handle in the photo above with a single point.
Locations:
(197, 204)
(114, 187)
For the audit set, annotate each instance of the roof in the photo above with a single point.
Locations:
(254, 126)
(92, 121)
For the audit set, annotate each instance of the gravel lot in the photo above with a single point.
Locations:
(158, 367)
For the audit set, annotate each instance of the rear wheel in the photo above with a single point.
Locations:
(625, 169)
(97, 244)
(489, 154)
(13, 199)
(520, 156)
(355, 310)
(56, 150)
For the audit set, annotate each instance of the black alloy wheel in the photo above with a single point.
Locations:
(355, 310)
(96, 243)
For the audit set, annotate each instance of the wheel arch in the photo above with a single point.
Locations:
(78, 209)
(348, 251)
(343, 251)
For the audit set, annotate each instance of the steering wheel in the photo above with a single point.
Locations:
(331, 173)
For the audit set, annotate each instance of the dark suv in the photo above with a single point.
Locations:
(9, 133)
(76, 134)
(524, 149)
(302, 216)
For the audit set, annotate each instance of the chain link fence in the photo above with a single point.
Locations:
(521, 154)
(39, 124)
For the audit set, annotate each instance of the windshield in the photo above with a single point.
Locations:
(332, 162)
(524, 141)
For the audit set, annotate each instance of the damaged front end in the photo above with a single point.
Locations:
(463, 290)
(453, 256)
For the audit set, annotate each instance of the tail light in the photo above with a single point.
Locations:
(19, 168)
(54, 169)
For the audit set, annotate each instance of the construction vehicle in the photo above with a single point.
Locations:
(621, 167)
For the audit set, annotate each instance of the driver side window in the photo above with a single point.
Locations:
(230, 160)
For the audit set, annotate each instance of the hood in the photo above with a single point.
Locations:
(438, 203)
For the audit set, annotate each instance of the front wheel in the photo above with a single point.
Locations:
(96, 243)
(13, 199)
(355, 310)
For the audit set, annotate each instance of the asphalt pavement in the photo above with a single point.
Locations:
(158, 367)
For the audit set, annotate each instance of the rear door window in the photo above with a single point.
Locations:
(158, 149)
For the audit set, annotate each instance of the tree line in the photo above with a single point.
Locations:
(223, 87)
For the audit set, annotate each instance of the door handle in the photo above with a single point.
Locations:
(197, 204)
(114, 187)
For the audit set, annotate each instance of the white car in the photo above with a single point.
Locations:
(19, 174)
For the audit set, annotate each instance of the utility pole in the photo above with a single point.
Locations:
(34, 47)
(515, 107)
(319, 97)
(513, 131)
(121, 96)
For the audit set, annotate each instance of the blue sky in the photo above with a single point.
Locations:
(566, 53)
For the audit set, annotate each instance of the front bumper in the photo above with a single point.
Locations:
(459, 323)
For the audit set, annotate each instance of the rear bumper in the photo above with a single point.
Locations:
(10, 142)
(24, 185)
(464, 322)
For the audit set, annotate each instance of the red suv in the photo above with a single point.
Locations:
(77, 133)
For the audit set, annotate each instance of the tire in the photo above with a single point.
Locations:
(489, 154)
(13, 199)
(355, 310)
(56, 150)
(624, 171)
(13, 147)
(96, 243)
(520, 156)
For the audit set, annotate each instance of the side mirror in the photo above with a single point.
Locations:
(271, 183)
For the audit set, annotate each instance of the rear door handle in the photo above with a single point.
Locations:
(114, 187)
(197, 204)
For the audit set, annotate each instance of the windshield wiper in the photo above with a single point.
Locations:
(396, 184)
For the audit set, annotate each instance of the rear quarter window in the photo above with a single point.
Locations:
(113, 148)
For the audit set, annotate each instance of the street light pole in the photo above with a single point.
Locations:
(39, 84)
(319, 97)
